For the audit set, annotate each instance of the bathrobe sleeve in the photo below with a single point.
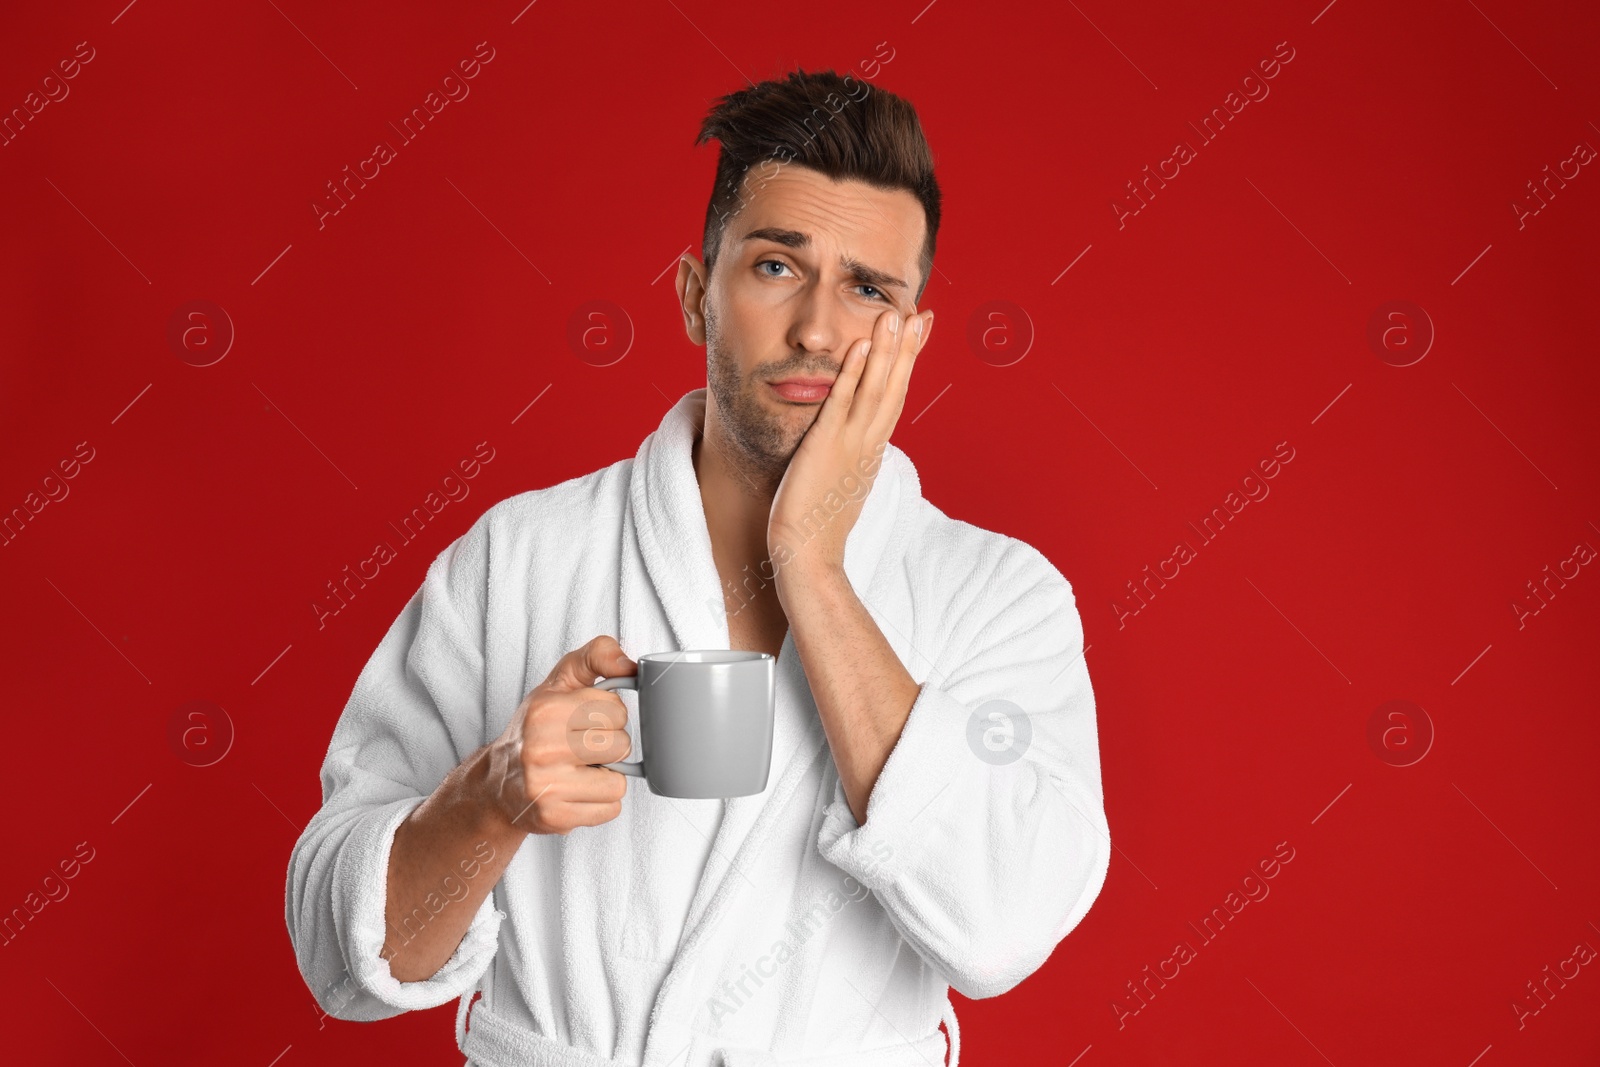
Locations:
(417, 710)
(986, 838)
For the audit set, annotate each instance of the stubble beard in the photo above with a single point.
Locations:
(758, 446)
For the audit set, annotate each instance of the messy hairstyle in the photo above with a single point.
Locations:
(840, 126)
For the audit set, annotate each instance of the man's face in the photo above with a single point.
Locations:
(806, 267)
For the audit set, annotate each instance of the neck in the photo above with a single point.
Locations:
(737, 500)
(738, 504)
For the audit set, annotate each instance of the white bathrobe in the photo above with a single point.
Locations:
(760, 931)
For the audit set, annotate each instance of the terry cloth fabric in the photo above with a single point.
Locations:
(761, 931)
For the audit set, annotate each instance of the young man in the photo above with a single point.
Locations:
(934, 815)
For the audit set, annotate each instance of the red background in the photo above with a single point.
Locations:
(1225, 317)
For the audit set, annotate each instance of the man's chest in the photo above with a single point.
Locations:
(757, 626)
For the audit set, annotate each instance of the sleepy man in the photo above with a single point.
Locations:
(934, 815)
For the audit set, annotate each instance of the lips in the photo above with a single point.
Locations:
(803, 390)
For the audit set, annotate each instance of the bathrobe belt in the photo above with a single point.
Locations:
(493, 1041)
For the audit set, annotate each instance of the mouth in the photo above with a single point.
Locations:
(803, 390)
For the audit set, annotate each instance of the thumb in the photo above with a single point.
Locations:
(601, 657)
(607, 657)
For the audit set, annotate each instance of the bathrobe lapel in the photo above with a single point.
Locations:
(669, 575)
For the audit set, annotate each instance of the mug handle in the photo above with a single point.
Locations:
(636, 767)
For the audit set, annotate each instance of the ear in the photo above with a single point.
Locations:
(691, 286)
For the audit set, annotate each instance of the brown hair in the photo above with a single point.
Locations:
(839, 126)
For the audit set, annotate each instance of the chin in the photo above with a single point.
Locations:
(787, 433)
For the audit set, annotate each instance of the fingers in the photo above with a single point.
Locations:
(603, 657)
(583, 788)
(841, 398)
(886, 340)
(597, 709)
(853, 390)
(897, 341)
(894, 343)
(600, 657)
(600, 739)
(566, 730)
(900, 374)
(565, 817)
(548, 778)
(596, 785)
(552, 800)
(580, 814)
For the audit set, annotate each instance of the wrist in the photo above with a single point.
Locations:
(805, 576)
(477, 797)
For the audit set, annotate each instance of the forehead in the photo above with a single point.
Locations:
(884, 227)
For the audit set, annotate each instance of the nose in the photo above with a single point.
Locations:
(818, 326)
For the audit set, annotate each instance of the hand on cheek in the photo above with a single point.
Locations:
(844, 446)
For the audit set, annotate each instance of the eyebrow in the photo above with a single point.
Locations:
(858, 270)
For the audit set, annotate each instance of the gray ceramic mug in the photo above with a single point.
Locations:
(705, 720)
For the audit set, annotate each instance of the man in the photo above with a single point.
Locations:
(934, 815)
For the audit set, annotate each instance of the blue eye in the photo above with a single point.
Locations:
(878, 297)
